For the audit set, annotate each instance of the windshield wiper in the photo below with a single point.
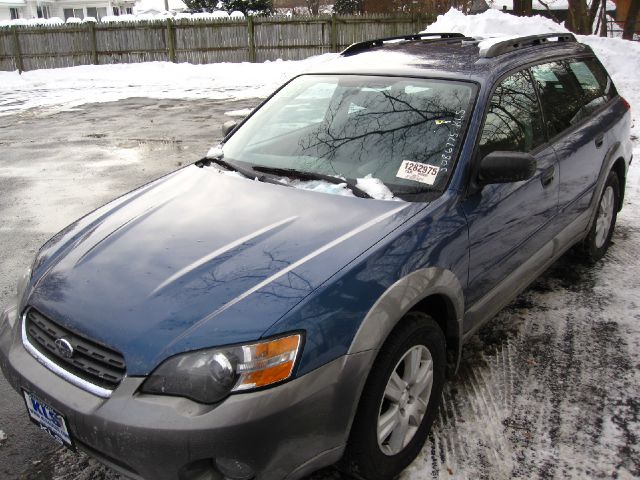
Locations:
(234, 167)
(226, 165)
(300, 175)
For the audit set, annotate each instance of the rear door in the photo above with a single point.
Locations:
(509, 223)
(574, 94)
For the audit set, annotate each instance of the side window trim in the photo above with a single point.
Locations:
(545, 122)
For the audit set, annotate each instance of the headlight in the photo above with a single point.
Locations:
(23, 283)
(208, 376)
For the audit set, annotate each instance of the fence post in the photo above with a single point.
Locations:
(171, 40)
(334, 33)
(94, 43)
(17, 54)
(252, 39)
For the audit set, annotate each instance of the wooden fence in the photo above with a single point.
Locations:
(254, 39)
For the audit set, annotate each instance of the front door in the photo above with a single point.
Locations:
(509, 222)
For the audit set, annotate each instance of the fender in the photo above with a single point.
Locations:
(610, 158)
(401, 297)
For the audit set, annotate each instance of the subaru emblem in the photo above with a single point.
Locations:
(64, 348)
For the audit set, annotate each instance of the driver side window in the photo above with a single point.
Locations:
(513, 121)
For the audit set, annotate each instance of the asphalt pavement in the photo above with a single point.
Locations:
(547, 389)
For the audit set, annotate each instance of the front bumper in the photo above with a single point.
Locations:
(283, 432)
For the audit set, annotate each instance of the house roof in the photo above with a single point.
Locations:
(13, 3)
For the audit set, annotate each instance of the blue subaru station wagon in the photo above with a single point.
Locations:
(297, 298)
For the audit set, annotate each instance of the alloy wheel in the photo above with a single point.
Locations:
(605, 216)
(405, 400)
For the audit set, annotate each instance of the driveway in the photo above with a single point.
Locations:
(550, 388)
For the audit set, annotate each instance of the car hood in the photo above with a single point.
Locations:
(198, 259)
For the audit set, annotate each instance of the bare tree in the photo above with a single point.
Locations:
(631, 22)
(313, 6)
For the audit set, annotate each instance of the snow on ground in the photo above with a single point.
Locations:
(3, 436)
(239, 113)
(74, 86)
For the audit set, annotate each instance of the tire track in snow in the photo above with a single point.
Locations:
(543, 391)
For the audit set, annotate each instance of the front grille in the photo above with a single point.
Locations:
(90, 361)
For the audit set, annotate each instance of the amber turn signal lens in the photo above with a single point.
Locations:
(268, 362)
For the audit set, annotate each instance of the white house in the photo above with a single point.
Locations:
(13, 9)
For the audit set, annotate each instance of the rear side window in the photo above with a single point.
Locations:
(560, 95)
(589, 70)
(513, 121)
(572, 91)
(594, 90)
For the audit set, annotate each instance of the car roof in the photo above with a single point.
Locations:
(457, 57)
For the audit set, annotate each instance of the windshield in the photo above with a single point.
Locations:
(404, 132)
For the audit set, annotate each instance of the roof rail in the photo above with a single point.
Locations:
(366, 45)
(513, 44)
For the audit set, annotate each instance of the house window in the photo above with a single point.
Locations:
(15, 13)
(96, 13)
(43, 11)
(73, 12)
(116, 11)
(129, 10)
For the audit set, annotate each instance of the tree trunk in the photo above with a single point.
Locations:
(578, 21)
(522, 8)
(593, 11)
(603, 19)
(631, 22)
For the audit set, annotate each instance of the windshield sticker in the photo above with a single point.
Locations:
(440, 122)
(418, 172)
(452, 140)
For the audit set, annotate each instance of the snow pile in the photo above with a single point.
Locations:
(31, 22)
(321, 186)
(74, 86)
(375, 188)
(3, 436)
(491, 23)
(620, 57)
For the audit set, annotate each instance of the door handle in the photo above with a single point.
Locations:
(547, 175)
(599, 140)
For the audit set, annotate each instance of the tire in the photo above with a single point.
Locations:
(379, 451)
(595, 245)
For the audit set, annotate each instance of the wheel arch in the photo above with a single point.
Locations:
(434, 291)
(620, 167)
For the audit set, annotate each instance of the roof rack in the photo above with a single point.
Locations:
(513, 44)
(366, 45)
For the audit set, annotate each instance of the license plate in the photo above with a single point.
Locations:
(48, 419)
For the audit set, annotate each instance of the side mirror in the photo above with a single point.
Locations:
(506, 167)
(227, 127)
